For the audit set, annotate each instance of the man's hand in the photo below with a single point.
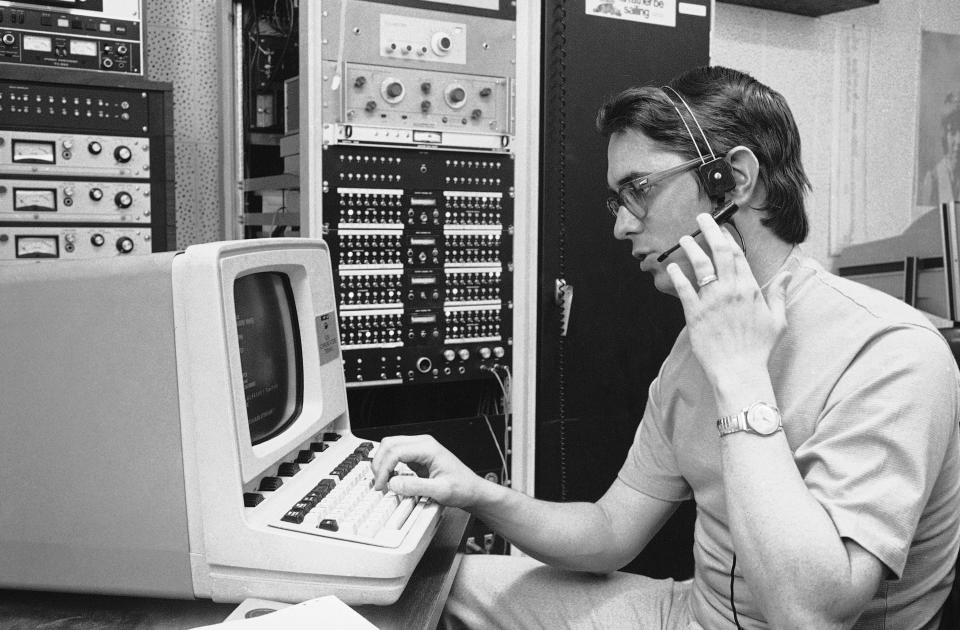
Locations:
(732, 328)
(440, 475)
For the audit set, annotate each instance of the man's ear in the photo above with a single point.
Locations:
(746, 173)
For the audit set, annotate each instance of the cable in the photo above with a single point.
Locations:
(743, 243)
(733, 606)
(504, 480)
(278, 230)
(505, 388)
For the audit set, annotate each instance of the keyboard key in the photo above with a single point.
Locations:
(329, 524)
(270, 483)
(288, 469)
(305, 457)
(294, 516)
(252, 499)
(399, 516)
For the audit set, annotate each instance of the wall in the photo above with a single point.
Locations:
(852, 80)
(183, 48)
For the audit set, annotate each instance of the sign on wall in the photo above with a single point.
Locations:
(938, 134)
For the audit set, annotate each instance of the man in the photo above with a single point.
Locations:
(846, 515)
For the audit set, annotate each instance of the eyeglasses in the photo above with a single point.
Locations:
(632, 195)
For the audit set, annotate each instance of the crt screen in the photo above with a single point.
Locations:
(270, 354)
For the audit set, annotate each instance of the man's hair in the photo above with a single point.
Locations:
(733, 109)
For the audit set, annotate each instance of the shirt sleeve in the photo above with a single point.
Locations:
(651, 466)
(881, 440)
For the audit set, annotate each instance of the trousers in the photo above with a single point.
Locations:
(508, 592)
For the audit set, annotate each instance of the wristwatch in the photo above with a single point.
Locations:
(759, 418)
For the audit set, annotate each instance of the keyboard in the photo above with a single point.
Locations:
(328, 491)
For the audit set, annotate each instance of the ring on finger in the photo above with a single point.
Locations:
(704, 281)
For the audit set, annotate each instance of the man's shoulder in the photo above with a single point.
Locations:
(852, 307)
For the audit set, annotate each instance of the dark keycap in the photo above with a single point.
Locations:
(305, 457)
(329, 524)
(288, 469)
(252, 499)
(270, 483)
(294, 516)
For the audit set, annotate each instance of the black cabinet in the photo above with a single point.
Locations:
(592, 382)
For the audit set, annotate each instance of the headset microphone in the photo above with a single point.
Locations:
(720, 215)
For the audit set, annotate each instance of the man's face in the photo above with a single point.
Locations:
(671, 206)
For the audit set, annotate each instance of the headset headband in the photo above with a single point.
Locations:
(715, 172)
(695, 121)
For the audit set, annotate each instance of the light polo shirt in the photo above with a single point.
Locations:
(870, 397)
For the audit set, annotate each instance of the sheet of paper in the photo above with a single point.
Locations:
(314, 614)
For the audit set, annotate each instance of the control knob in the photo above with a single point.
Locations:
(449, 355)
(124, 245)
(456, 96)
(123, 199)
(96, 194)
(97, 240)
(463, 353)
(392, 90)
(485, 353)
(95, 147)
(123, 154)
(441, 43)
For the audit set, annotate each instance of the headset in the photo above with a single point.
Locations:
(715, 173)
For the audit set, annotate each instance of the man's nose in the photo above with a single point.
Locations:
(626, 224)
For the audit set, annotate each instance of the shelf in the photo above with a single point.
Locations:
(285, 181)
(811, 8)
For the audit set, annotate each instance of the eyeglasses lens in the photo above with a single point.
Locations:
(629, 197)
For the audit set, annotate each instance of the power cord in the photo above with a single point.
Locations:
(506, 389)
(733, 606)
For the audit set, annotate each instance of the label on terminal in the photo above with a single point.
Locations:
(328, 346)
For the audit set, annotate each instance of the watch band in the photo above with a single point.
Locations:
(733, 423)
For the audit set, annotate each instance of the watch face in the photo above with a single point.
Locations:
(763, 418)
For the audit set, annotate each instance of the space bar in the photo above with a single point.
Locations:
(399, 516)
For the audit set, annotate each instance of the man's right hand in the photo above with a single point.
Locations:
(440, 475)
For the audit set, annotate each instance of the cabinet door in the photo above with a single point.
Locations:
(592, 382)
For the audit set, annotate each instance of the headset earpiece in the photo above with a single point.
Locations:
(717, 177)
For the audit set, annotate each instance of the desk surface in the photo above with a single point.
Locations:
(419, 606)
